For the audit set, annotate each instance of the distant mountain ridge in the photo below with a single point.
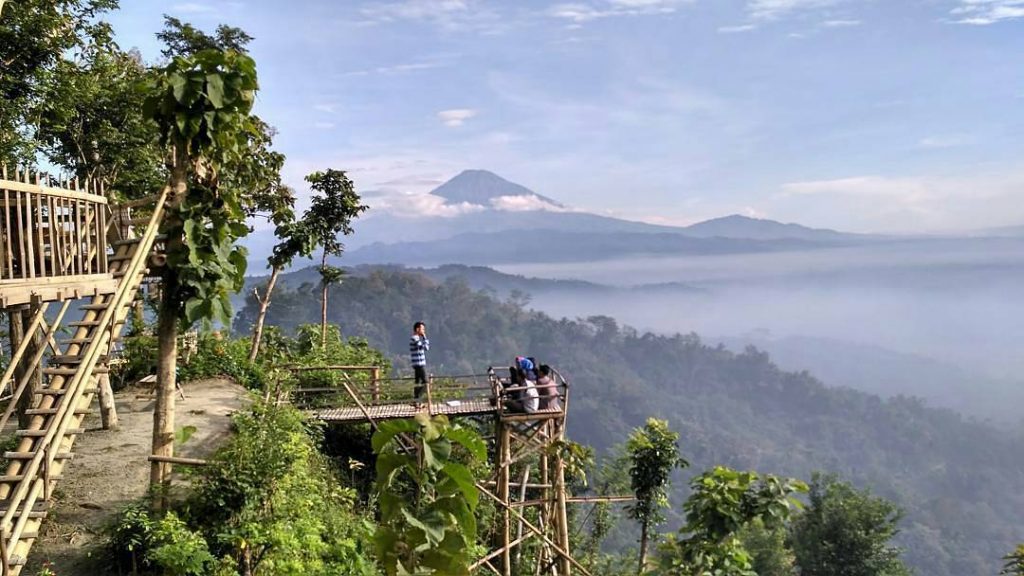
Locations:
(737, 226)
(488, 212)
(560, 246)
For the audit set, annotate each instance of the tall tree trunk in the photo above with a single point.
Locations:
(323, 305)
(257, 329)
(167, 339)
(163, 413)
(643, 548)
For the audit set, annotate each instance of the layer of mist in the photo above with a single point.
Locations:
(951, 301)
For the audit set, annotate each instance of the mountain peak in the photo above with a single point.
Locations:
(481, 186)
(739, 226)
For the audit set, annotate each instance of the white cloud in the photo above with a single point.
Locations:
(456, 117)
(580, 12)
(951, 141)
(905, 203)
(985, 12)
(417, 205)
(772, 9)
(751, 212)
(450, 15)
(905, 190)
(192, 8)
(840, 23)
(736, 29)
(326, 108)
(430, 63)
(524, 203)
(414, 9)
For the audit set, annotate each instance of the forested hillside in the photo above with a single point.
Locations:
(961, 483)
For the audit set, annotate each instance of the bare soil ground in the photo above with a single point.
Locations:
(110, 470)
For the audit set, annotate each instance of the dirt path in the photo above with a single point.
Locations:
(110, 470)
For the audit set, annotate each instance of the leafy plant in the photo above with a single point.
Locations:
(722, 503)
(846, 532)
(270, 503)
(427, 498)
(130, 535)
(653, 454)
(1014, 562)
(178, 550)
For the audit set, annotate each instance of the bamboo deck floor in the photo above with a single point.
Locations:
(475, 407)
(405, 410)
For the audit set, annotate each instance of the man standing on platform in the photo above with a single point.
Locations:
(418, 346)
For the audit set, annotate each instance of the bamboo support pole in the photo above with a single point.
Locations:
(562, 552)
(503, 493)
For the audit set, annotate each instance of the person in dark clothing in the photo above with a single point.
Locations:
(418, 346)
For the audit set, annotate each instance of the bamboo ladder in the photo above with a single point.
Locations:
(59, 408)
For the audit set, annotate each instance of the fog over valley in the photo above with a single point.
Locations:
(933, 316)
(950, 299)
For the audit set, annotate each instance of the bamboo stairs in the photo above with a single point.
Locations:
(71, 375)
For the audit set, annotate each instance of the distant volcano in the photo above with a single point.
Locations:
(481, 187)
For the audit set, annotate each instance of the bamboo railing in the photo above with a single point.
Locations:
(50, 232)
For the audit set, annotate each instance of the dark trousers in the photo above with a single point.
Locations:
(421, 380)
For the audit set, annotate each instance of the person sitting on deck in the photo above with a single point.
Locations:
(524, 396)
(548, 390)
(528, 367)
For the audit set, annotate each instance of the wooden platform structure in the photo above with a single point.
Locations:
(60, 256)
(527, 480)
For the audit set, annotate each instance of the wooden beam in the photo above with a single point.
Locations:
(558, 549)
(178, 460)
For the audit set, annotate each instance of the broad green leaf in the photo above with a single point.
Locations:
(432, 525)
(463, 478)
(469, 440)
(388, 430)
(215, 90)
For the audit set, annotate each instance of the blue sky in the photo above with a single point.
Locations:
(863, 115)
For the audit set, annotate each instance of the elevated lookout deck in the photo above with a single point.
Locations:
(53, 241)
(353, 394)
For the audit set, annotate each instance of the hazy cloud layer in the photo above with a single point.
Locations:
(985, 12)
(580, 12)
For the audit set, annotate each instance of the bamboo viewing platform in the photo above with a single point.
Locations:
(526, 445)
(358, 394)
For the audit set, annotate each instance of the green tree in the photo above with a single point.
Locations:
(767, 548)
(427, 496)
(36, 36)
(184, 39)
(846, 532)
(201, 105)
(653, 454)
(1014, 562)
(91, 122)
(722, 503)
(330, 214)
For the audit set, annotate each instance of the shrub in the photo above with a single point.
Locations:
(216, 356)
(129, 537)
(269, 501)
(178, 550)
